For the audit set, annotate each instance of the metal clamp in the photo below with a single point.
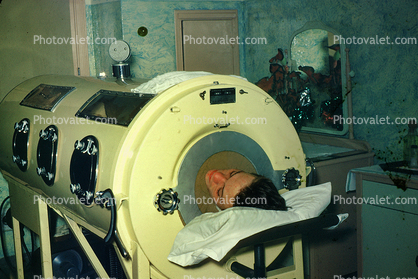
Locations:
(43, 173)
(22, 126)
(48, 134)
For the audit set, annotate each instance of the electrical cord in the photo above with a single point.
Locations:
(4, 246)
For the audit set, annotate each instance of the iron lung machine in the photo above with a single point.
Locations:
(77, 144)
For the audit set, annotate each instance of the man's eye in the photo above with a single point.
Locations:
(234, 173)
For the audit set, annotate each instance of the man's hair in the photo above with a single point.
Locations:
(261, 193)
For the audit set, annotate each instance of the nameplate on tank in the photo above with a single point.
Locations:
(222, 96)
(46, 96)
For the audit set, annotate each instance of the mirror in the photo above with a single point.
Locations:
(318, 65)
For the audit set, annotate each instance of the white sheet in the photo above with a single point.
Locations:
(215, 234)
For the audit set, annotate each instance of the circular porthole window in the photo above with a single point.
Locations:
(47, 154)
(21, 143)
(84, 169)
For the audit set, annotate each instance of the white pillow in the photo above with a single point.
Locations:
(215, 234)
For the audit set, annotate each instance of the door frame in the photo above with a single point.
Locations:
(79, 30)
(184, 15)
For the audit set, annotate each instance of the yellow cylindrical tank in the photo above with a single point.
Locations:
(81, 136)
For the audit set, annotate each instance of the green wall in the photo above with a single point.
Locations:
(104, 21)
(22, 55)
(385, 82)
(155, 53)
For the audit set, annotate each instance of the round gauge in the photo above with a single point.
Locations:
(119, 51)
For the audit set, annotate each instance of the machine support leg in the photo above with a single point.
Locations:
(44, 240)
(34, 215)
(18, 249)
(298, 256)
(259, 261)
(259, 270)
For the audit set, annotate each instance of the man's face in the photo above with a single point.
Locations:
(224, 185)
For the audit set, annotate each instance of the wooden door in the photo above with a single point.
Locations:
(207, 40)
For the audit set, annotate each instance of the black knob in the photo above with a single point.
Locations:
(166, 201)
(291, 179)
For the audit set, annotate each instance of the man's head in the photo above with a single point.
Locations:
(234, 187)
(261, 193)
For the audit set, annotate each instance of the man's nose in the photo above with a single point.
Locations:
(219, 178)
